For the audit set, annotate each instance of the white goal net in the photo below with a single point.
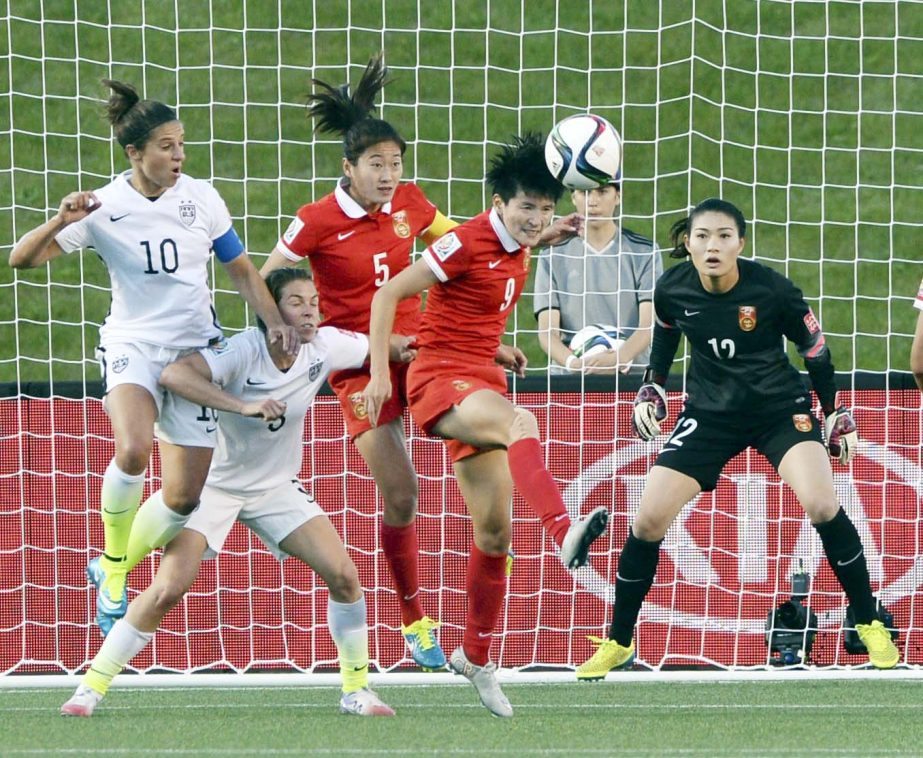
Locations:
(803, 113)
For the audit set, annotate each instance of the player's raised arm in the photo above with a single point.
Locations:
(38, 246)
(191, 378)
(409, 282)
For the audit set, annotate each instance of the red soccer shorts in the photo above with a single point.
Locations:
(436, 385)
(348, 386)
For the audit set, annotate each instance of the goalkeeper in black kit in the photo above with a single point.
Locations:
(742, 392)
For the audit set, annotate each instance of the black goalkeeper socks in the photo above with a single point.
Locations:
(633, 579)
(847, 559)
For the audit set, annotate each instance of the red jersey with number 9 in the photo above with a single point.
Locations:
(481, 271)
(353, 253)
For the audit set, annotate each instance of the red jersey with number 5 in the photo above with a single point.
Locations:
(353, 253)
(481, 271)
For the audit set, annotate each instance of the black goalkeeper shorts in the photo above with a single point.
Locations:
(702, 443)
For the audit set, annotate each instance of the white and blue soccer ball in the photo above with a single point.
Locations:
(595, 339)
(584, 152)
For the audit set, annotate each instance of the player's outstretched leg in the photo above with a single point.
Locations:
(108, 608)
(484, 679)
(423, 645)
(575, 549)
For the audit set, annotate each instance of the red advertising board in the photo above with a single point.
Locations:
(726, 561)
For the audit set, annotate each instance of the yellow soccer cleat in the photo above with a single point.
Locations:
(883, 653)
(609, 655)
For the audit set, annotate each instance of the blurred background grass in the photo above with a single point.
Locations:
(805, 114)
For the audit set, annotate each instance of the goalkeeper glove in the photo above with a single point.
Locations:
(842, 435)
(650, 409)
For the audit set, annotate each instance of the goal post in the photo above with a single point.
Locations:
(805, 114)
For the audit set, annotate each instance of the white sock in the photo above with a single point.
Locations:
(122, 644)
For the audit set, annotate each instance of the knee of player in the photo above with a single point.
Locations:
(400, 507)
(523, 426)
(169, 591)
(132, 455)
(493, 539)
(650, 527)
(343, 583)
(183, 503)
(821, 507)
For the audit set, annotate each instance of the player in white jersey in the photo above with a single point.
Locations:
(916, 349)
(262, 396)
(155, 229)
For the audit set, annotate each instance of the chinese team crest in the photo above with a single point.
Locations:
(802, 422)
(359, 410)
(746, 317)
(187, 212)
(401, 224)
(460, 385)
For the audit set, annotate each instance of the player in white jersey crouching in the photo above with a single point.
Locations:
(262, 396)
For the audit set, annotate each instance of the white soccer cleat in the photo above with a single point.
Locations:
(82, 703)
(484, 679)
(575, 550)
(364, 702)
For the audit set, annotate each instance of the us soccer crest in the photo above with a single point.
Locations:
(314, 370)
(359, 409)
(401, 224)
(746, 317)
(802, 422)
(119, 364)
(187, 212)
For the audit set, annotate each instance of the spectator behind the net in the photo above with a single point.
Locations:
(605, 276)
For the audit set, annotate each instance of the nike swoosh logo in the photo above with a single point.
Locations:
(494, 264)
(846, 563)
(630, 581)
(485, 634)
(559, 518)
(343, 235)
(210, 429)
(360, 668)
(113, 219)
(691, 313)
(253, 383)
(411, 597)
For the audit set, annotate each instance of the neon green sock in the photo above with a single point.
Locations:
(155, 525)
(119, 500)
(122, 644)
(350, 634)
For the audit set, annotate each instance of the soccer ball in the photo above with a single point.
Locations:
(595, 339)
(584, 152)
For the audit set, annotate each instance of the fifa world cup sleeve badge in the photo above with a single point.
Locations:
(746, 317)
(359, 409)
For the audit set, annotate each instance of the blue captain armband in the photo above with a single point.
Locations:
(228, 246)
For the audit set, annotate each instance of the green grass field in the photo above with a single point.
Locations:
(813, 128)
(836, 718)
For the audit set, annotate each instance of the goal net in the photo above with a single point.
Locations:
(803, 113)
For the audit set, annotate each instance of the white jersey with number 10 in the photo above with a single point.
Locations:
(157, 252)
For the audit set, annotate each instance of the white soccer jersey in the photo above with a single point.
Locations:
(918, 303)
(253, 455)
(157, 253)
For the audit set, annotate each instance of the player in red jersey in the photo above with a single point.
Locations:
(357, 238)
(475, 274)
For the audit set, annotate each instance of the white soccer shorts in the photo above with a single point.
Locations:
(272, 515)
(178, 421)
